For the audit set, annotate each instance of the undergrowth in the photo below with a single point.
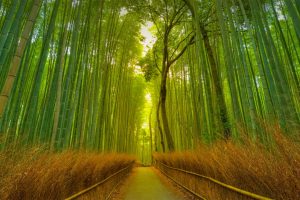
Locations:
(36, 174)
(271, 172)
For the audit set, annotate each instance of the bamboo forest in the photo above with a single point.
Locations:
(150, 99)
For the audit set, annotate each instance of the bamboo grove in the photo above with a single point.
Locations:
(75, 87)
(71, 72)
(239, 70)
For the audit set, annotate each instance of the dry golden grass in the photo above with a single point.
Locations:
(35, 174)
(272, 173)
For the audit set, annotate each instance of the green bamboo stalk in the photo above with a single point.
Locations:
(18, 55)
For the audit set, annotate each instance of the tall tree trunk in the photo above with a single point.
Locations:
(159, 127)
(60, 63)
(163, 97)
(223, 115)
(151, 135)
(163, 91)
(34, 110)
(14, 66)
(217, 83)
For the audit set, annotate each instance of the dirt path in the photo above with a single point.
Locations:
(146, 185)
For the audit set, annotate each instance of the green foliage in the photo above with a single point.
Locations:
(74, 72)
(216, 66)
(149, 66)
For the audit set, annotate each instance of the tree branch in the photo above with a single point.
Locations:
(192, 41)
(176, 14)
(178, 45)
(151, 15)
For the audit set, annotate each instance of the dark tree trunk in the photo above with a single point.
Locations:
(215, 75)
(159, 127)
(163, 96)
(217, 84)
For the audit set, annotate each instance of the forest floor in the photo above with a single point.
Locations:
(148, 184)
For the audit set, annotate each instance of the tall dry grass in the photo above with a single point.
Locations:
(36, 174)
(274, 173)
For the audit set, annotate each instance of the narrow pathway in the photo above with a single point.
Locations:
(146, 185)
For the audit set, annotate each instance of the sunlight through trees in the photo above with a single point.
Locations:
(143, 76)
